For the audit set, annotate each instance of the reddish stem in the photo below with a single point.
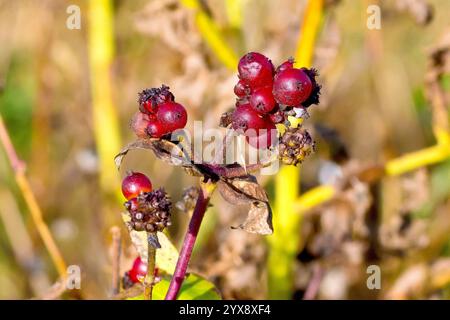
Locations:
(188, 244)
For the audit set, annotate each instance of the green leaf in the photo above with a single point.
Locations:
(194, 288)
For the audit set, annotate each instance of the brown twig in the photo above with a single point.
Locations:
(30, 199)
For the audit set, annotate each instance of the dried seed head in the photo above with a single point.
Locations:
(150, 211)
(295, 145)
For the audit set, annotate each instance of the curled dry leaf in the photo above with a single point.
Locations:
(165, 150)
(246, 190)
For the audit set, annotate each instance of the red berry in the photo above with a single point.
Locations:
(263, 137)
(245, 117)
(156, 129)
(172, 116)
(288, 64)
(134, 184)
(139, 124)
(262, 100)
(277, 116)
(255, 70)
(241, 89)
(291, 87)
(138, 271)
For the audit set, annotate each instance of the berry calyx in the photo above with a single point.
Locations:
(156, 129)
(241, 89)
(292, 87)
(277, 116)
(134, 184)
(245, 117)
(288, 64)
(262, 100)
(172, 116)
(255, 70)
(138, 271)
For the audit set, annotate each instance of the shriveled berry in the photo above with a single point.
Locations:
(172, 116)
(241, 89)
(138, 271)
(255, 70)
(262, 100)
(291, 87)
(288, 64)
(245, 117)
(134, 184)
(264, 137)
(156, 129)
(139, 124)
(277, 116)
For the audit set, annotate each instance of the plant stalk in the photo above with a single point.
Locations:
(150, 277)
(189, 240)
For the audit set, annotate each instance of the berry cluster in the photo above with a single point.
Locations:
(267, 96)
(158, 114)
(149, 210)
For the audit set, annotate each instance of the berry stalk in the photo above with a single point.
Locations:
(191, 236)
(150, 276)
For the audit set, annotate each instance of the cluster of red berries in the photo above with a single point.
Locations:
(149, 210)
(158, 114)
(267, 96)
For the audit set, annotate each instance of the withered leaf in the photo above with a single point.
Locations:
(259, 219)
(165, 150)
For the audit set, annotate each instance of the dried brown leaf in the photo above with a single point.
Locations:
(259, 219)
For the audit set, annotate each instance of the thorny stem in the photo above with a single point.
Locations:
(35, 211)
(188, 244)
(150, 277)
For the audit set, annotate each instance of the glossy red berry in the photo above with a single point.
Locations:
(264, 137)
(134, 184)
(291, 87)
(262, 100)
(172, 116)
(288, 64)
(241, 89)
(156, 129)
(245, 117)
(138, 271)
(255, 70)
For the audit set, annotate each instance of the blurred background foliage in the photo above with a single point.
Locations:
(66, 98)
